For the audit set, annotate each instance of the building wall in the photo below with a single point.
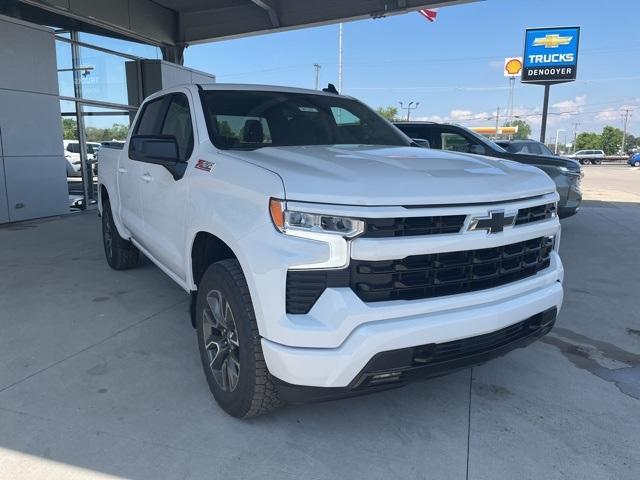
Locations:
(145, 77)
(32, 164)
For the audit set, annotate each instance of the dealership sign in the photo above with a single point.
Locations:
(550, 55)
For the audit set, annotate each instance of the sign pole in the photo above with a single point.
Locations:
(545, 109)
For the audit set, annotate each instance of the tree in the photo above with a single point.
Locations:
(588, 141)
(524, 129)
(390, 113)
(69, 129)
(630, 142)
(611, 140)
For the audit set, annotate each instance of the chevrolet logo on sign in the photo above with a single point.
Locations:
(551, 41)
(550, 55)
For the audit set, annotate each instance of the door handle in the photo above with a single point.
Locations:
(146, 177)
(122, 170)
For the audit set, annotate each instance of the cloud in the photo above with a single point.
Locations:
(467, 115)
(608, 115)
(430, 118)
(572, 105)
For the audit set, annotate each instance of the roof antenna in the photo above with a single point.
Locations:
(331, 88)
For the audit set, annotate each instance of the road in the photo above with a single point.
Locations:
(100, 376)
(611, 183)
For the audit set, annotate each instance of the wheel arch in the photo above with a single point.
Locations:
(206, 248)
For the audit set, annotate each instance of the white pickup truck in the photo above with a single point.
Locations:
(325, 253)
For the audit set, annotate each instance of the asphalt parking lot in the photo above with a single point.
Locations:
(100, 376)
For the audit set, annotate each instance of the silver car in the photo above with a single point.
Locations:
(585, 157)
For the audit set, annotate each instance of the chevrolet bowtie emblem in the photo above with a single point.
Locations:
(494, 223)
(552, 40)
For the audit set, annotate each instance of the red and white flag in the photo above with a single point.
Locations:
(429, 13)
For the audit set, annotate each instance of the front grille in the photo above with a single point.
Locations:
(423, 276)
(535, 214)
(411, 226)
(439, 274)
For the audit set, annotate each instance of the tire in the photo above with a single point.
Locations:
(636, 163)
(584, 162)
(229, 343)
(121, 254)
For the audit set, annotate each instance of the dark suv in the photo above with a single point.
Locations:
(566, 173)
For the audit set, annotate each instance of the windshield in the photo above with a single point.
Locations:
(241, 119)
(489, 143)
(546, 150)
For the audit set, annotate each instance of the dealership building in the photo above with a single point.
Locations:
(75, 71)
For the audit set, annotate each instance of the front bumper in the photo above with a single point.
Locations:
(396, 368)
(339, 367)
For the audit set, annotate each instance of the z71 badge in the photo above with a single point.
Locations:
(204, 165)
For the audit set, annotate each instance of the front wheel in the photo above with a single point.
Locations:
(229, 343)
(636, 163)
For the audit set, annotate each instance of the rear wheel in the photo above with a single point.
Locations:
(636, 163)
(121, 254)
(229, 343)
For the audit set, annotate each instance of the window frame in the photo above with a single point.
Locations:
(166, 107)
(165, 100)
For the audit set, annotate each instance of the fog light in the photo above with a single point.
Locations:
(387, 377)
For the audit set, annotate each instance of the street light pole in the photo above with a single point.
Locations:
(557, 134)
(409, 107)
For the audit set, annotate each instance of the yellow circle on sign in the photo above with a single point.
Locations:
(513, 66)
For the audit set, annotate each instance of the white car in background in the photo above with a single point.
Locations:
(585, 157)
(72, 154)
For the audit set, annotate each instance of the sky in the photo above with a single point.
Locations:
(454, 67)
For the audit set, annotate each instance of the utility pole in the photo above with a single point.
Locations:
(575, 135)
(627, 114)
(557, 137)
(317, 66)
(497, 120)
(340, 59)
(409, 107)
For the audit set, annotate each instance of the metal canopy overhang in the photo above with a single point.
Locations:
(177, 23)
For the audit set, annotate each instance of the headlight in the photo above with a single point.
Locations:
(288, 221)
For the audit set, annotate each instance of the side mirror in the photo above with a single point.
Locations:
(477, 150)
(421, 142)
(159, 150)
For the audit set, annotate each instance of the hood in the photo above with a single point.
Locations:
(378, 175)
(543, 160)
